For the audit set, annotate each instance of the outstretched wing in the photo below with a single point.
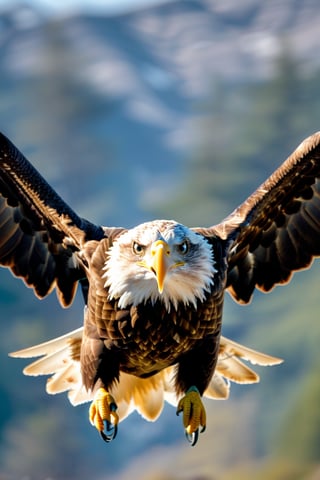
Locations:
(276, 231)
(39, 233)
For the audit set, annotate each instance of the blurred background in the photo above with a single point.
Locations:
(178, 109)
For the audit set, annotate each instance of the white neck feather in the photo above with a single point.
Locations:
(132, 284)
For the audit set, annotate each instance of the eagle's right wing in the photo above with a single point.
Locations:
(39, 232)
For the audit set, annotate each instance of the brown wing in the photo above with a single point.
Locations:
(277, 229)
(39, 233)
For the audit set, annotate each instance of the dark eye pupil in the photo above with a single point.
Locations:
(137, 248)
(183, 247)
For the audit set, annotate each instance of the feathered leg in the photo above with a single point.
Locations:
(195, 371)
(102, 411)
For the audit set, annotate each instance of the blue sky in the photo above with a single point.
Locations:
(69, 5)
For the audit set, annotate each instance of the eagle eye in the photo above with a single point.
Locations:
(183, 247)
(137, 248)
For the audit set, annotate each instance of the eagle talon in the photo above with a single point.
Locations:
(192, 437)
(110, 431)
(194, 415)
(103, 415)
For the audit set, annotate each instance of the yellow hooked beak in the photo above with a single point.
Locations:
(160, 252)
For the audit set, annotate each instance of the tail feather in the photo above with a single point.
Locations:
(144, 395)
(229, 348)
(48, 364)
(78, 394)
(237, 371)
(60, 358)
(218, 388)
(51, 346)
(230, 367)
(64, 379)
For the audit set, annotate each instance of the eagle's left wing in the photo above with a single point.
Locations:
(39, 232)
(276, 231)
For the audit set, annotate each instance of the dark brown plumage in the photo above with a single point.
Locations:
(154, 294)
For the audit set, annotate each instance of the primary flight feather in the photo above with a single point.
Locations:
(154, 293)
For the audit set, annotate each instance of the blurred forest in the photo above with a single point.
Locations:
(126, 130)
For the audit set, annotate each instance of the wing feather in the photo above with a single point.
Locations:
(39, 232)
(276, 231)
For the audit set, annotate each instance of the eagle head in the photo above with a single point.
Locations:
(159, 261)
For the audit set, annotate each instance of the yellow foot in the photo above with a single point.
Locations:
(194, 414)
(103, 415)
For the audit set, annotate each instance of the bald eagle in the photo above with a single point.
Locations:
(153, 294)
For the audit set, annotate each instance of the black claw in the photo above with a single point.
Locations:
(193, 437)
(111, 432)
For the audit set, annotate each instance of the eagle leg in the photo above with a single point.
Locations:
(194, 414)
(103, 415)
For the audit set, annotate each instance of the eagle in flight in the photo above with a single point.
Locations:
(153, 294)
